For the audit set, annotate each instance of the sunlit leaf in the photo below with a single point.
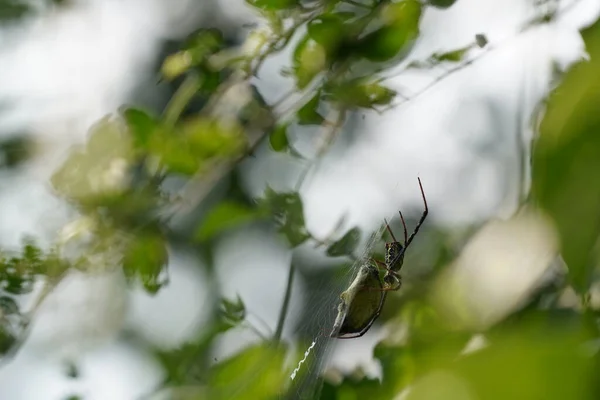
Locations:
(101, 168)
(310, 59)
(256, 373)
(566, 166)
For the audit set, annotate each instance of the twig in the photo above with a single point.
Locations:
(286, 303)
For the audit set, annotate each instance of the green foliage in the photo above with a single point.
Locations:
(145, 257)
(441, 3)
(400, 28)
(278, 138)
(566, 166)
(224, 216)
(194, 55)
(360, 93)
(273, 5)
(308, 114)
(255, 373)
(288, 214)
(346, 245)
(233, 313)
(118, 180)
(14, 151)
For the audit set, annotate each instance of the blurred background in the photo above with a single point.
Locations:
(187, 187)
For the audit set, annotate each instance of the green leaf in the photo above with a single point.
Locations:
(441, 3)
(257, 372)
(145, 258)
(452, 56)
(400, 29)
(361, 93)
(288, 213)
(310, 59)
(278, 138)
(141, 125)
(308, 114)
(233, 313)
(566, 163)
(224, 216)
(176, 64)
(346, 245)
(273, 5)
(13, 9)
(328, 31)
(14, 151)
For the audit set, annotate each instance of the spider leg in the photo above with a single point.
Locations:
(423, 216)
(387, 226)
(381, 264)
(404, 226)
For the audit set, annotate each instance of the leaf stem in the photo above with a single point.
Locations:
(181, 99)
(286, 303)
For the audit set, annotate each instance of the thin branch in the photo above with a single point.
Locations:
(286, 303)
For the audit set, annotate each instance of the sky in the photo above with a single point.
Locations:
(64, 71)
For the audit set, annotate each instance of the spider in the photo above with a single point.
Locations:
(363, 301)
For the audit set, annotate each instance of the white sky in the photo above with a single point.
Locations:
(66, 71)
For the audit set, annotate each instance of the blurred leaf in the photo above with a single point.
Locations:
(255, 373)
(8, 306)
(197, 142)
(278, 138)
(176, 64)
(308, 114)
(361, 93)
(141, 125)
(7, 340)
(288, 213)
(400, 29)
(539, 364)
(310, 59)
(203, 43)
(145, 258)
(346, 245)
(328, 30)
(566, 165)
(452, 56)
(14, 151)
(441, 3)
(13, 9)
(272, 5)
(233, 312)
(226, 215)
(196, 50)
(101, 168)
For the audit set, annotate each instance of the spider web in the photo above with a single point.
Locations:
(306, 382)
